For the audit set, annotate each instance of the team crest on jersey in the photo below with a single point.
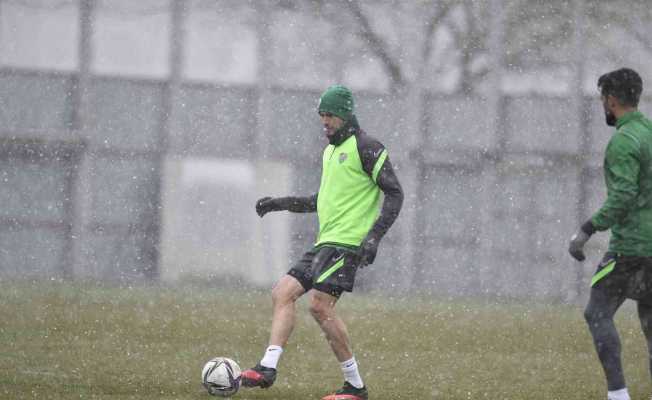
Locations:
(343, 157)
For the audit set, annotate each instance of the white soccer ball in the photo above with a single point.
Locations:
(221, 377)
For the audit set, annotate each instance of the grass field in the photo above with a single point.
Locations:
(71, 341)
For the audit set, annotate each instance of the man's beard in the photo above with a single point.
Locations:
(610, 119)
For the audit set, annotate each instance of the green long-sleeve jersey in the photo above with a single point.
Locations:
(627, 210)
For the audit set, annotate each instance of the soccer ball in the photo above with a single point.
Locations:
(221, 377)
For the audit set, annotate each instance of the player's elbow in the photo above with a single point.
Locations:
(395, 198)
(399, 197)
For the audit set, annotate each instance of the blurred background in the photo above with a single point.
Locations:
(136, 136)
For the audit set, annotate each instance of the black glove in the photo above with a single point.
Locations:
(267, 204)
(576, 246)
(367, 251)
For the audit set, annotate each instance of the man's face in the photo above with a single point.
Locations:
(609, 116)
(331, 123)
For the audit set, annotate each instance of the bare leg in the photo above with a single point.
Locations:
(322, 308)
(284, 295)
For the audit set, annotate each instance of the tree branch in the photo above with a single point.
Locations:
(433, 22)
(377, 45)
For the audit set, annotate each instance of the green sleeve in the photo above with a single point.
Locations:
(621, 171)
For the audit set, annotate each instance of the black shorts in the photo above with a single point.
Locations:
(329, 269)
(627, 276)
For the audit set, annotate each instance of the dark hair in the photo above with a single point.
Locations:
(624, 84)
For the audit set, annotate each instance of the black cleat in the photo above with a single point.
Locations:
(348, 392)
(258, 376)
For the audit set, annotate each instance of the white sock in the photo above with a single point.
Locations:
(351, 374)
(271, 357)
(620, 394)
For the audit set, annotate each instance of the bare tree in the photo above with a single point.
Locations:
(462, 20)
(537, 34)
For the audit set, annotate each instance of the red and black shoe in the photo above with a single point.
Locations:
(258, 376)
(348, 392)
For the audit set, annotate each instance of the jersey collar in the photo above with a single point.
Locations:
(349, 129)
(630, 116)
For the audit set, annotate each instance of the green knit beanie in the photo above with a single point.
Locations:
(337, 100)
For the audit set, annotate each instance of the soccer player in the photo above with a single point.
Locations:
(355, 169)
(626, 269)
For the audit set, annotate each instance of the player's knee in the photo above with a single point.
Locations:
(589, 315)
(319, 310)
(593, 316)
(280, 296)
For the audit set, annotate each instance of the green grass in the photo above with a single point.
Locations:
(64, 341)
